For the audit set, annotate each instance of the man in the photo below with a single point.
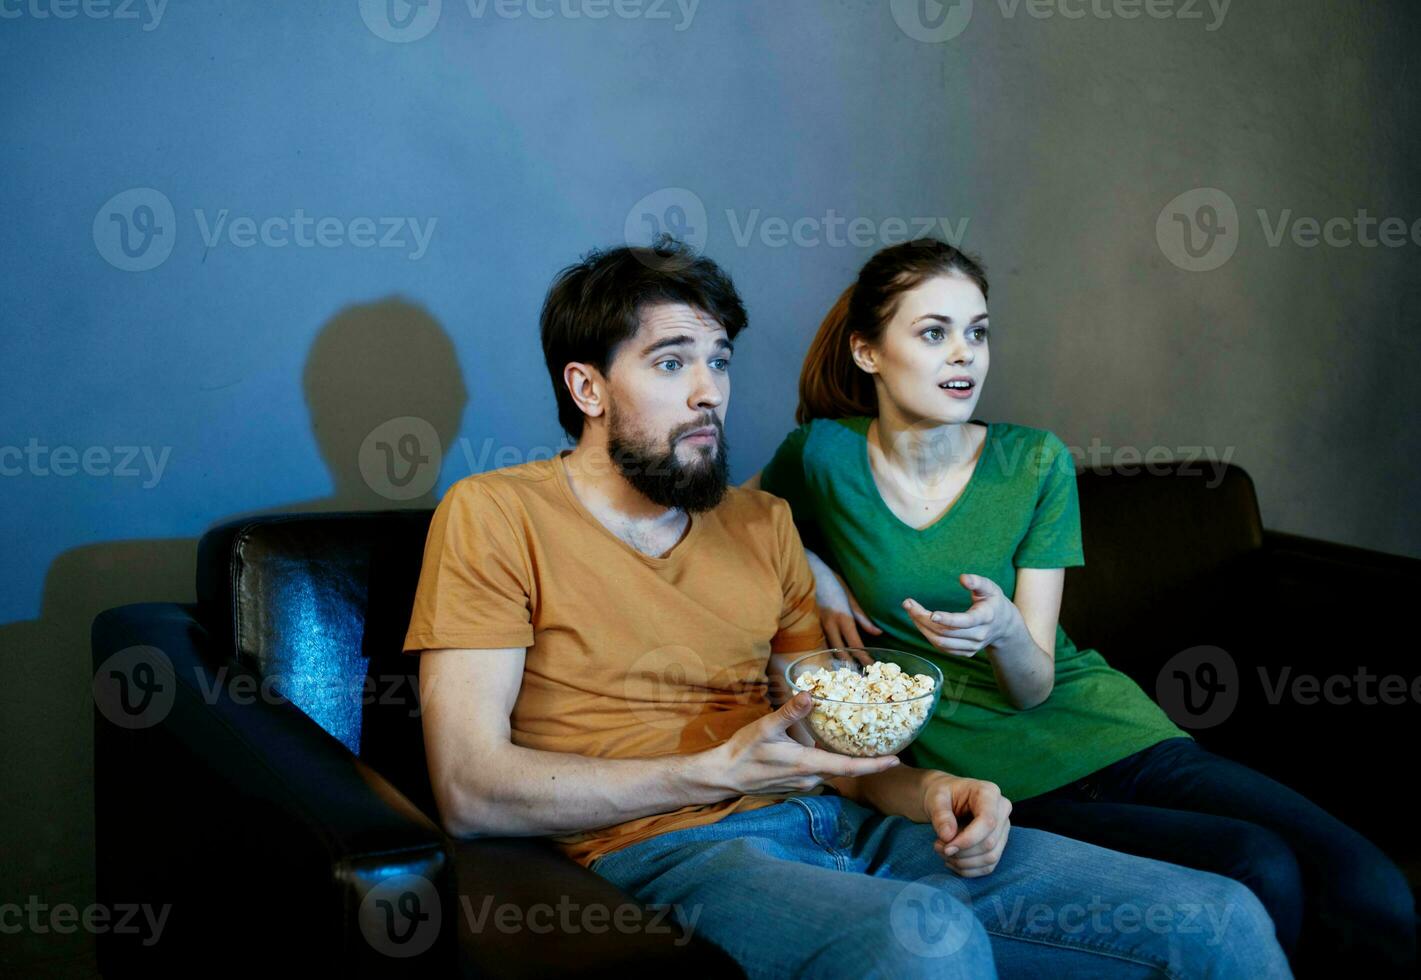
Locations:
(596, 631)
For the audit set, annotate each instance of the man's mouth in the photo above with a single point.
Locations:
(706, 435)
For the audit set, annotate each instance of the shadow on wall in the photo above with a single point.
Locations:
(369, 364)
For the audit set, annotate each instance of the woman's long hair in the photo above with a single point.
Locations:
(831, 385)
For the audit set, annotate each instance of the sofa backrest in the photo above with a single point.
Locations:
(319, 603)
(1163, 550)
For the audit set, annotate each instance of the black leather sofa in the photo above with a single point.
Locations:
(272, 788)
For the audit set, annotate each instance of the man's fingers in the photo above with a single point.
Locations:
(789, 713)
(833, 764)
(973, 834)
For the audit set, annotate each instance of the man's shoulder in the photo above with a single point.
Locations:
(746, 509)
(510, 486)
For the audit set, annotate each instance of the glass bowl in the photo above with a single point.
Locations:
(865, 727)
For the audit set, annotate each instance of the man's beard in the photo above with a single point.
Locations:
(659, 474)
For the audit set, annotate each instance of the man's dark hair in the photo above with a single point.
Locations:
(596, 304)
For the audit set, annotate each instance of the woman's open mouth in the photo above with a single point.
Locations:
(962, 388)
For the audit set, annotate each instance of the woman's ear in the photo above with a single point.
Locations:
(863, 354)
(587, 387)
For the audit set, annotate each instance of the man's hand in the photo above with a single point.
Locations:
(762, 758)
(971, 820)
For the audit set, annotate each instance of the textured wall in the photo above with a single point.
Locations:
(249, 352)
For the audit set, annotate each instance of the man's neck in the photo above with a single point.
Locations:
(644, 524)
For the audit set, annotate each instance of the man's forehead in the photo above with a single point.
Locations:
(666, 319)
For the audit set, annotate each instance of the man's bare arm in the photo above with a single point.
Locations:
(486, 785)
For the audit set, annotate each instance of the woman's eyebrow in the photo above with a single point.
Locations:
(948, 320)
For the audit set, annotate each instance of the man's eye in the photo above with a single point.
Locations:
(670, 360)
(722, 363)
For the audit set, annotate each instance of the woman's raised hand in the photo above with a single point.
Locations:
(991, 617)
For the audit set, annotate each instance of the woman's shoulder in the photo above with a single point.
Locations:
(1027, 435)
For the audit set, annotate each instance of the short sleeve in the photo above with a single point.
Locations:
(799, 628)
(474, 585)
(1054, 538)
(783, 476)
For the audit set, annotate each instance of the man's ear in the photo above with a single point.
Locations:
(587, 387)
(863, 354)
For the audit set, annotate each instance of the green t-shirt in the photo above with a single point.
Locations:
(1018, 510)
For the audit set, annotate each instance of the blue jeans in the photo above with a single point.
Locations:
(1318, 878)
(820, 886)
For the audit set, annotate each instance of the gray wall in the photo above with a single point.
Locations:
(256, 373)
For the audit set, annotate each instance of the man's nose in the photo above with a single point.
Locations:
(706, 393)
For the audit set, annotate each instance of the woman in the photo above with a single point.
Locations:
(953, 535)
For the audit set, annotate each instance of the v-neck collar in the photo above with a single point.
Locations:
(695, 521)
(866, 466)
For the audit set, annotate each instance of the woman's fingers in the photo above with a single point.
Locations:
(850, 632)
(861, 616)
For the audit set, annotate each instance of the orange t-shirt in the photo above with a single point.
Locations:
(628, 656)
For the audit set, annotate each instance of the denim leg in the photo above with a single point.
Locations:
(1060, 908)
(819, 886)
(1253, 855)
(1358, 914)
(764, 889)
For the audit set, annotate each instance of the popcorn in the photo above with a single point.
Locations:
(874, 722)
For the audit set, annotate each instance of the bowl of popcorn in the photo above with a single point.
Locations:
(868, 701)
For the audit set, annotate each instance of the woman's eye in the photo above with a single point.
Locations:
(981, 333)
(934, 334)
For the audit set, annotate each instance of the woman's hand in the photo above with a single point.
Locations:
(839, 612)
(992, 619)
(971, 849)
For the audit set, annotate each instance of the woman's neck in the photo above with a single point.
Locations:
(926, 453)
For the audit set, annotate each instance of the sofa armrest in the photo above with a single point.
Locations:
(259, 831)
(530, 911)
